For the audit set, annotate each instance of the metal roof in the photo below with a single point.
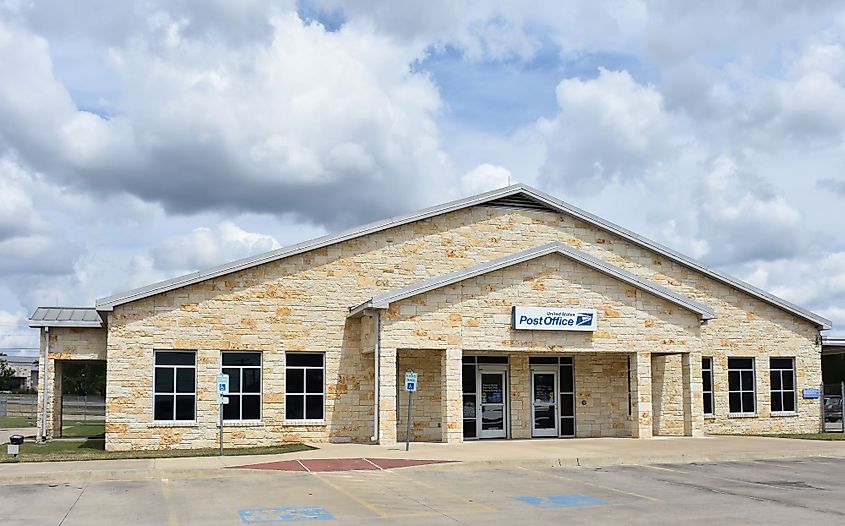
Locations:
(65, 317)
(518, 191)
(382, 301)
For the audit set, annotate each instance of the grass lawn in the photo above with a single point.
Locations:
(93, 449)
(7, 422)
(87, 430)
(814, 436)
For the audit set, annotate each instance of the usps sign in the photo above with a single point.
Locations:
(553, 319)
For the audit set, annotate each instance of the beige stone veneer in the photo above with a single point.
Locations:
(300, 304)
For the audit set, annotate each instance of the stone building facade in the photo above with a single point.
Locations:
(321, 334)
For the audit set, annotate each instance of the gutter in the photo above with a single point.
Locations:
(376, 316)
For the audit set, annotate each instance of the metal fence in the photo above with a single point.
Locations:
(73, 407)
(833, 395)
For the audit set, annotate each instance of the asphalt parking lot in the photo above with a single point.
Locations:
(771, 492)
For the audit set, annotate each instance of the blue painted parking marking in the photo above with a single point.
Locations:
(284, 514)
(570, 500)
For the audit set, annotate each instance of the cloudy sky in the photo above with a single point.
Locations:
(142, 140)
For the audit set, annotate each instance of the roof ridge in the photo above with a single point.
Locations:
(109, 302)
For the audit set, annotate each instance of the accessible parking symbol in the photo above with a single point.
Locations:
(284, 514)
(569, 500)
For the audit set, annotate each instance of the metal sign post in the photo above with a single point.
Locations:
(410, 386)
(222, 389)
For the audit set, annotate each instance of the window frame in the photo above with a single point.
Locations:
(173, 420)
(741, 391)
(305, 393)
(781, 391)
(240, 393)
(707, 388)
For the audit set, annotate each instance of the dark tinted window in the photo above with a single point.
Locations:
(492, 359)
(468, 378)
(242, 358)
(304, 359)
(175, 358)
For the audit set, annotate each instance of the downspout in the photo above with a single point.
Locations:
(44, 390)
(375, 315)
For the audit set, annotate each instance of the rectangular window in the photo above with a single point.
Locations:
(244, 370)
(470, 399)
(305, 386)
(707, 384)
(174, 386)
(782, 373)
(741, 385)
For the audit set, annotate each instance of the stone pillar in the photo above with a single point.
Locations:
(387, 395)
(641, 417)
(451, 396)
(693, 395)
(519, 384)
(56, 399)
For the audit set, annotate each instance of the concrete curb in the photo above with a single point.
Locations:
(69, 476)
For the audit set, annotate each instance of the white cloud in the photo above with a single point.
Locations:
(266, 128)
(485, 177)
(205, 247)
(608, 128)
(14, 331)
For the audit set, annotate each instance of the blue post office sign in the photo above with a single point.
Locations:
(553, 319)
(811, 392)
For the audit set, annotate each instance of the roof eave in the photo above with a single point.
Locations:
(109, 302)
(66, 324)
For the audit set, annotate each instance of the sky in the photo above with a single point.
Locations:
(141, 140)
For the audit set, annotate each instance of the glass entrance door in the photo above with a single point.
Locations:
(493, 405)
(544, 405)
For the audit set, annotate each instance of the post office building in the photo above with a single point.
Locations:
(521, 315)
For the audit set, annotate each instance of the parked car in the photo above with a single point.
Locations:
(832, 408)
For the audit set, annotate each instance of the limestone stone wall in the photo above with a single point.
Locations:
(300, 303)
(65, 344)
(667, 394)
(601, 380)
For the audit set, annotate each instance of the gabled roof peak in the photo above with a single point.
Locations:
(523, 192)
(383, 301)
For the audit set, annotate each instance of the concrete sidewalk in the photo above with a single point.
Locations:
(511, 453)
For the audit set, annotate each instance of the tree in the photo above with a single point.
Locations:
(84, 378)
(7, 375)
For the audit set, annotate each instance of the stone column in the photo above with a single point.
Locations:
(641, 417)
(387, 395)
(519, 384)
(56, 400)
(451, 396)
(41, 398)
(693, 395)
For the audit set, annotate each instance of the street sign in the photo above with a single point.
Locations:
(222, 400)
(223, 384)
(410, 382)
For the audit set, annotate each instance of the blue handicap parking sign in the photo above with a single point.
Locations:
(570, 500)
(284, 514)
